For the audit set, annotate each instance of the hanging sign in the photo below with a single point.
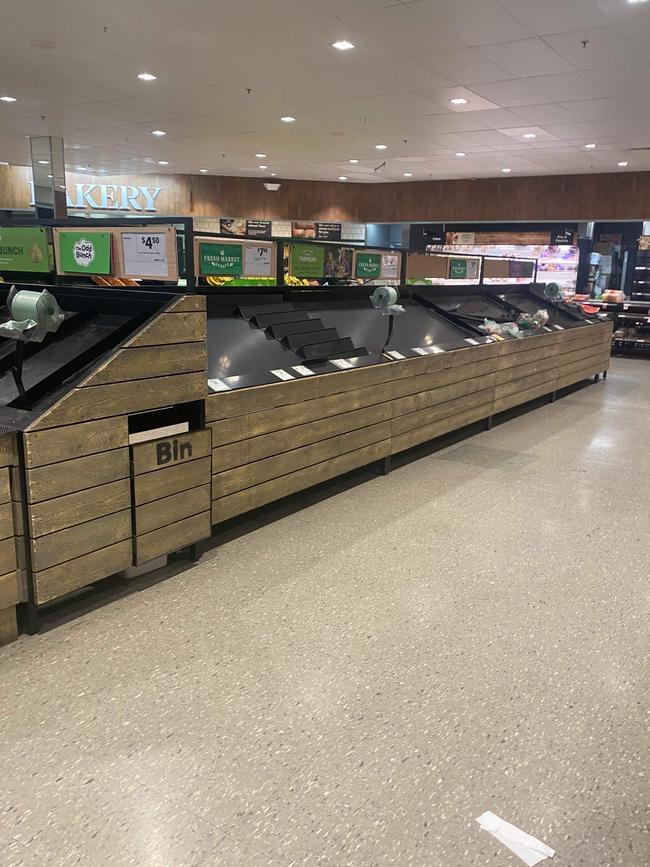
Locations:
(458, 269)
(368, 265)
(221, 259)
(258, 261)
(562, 237)
(328, 231)
(307, 261)
(85, 252)
(454, 238)
(24, 250)
(390, 263)
(145, 254)
(258, 228)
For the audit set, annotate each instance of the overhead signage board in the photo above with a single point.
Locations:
(328, 231)
(145, 254)
(562, 237)
(368, 266)
(458, 269)
(24, 250)
(259, 229)
(221, 259)
(461, 238)
(108, 197)
(84, 252)
(307, 261)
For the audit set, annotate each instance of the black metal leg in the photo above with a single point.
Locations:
(29, 620)
(488, 422)
(386, 465)
(597, 378)
(604, 374)
(553, 396)
(193, 552)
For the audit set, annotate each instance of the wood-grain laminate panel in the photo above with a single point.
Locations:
(69, 510)
(9, 589)
(432, 414)
(191, 446)
(75, 441)
(73, 542)
(68, 576)
(171, 480)
(151, 361)
(66, 477)
(170, 510)
(172, 328)
(428, 432)
(8, 561)
(173, 537)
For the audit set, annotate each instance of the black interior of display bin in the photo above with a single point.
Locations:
(297, 341)
(284, 329)
(331, 349)
(248, 311)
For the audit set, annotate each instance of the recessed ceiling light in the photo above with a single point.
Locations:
(529, 135)
(203, 171)
(288, 119)
(8, 99)
(43, 162)
(354, 162)
(163, 162)
(623, 163)
(408, 174)
(262, 167)
(506, 171)
(158, 132)
(459, 100)
(381, 147)
(146, 76)
(591, 146)
(343, 45)
(260, 156)
(461, 154)
(343, 177)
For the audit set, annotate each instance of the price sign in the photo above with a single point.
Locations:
(258, 261)
(145, 254)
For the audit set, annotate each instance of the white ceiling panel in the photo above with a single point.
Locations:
(471, 22)
(526, 57)
(464, 66)
(556, 16)
(544, 114)
(605, 48)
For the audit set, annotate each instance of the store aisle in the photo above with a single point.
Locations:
(358, 681)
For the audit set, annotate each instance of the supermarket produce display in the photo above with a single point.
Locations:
(150, 417)
(532, 299)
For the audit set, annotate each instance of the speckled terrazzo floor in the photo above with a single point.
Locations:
(355, 683)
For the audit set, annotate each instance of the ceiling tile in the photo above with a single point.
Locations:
(470, 22)
(555, 16)
(605, 48)
(526, 57)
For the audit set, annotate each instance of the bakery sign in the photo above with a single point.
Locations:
(109, 197)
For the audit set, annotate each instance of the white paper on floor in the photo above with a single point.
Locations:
(531, 850)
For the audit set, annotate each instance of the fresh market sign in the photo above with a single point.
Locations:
(221, 259)
(109, 197)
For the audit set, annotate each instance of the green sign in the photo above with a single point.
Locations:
(368, 265)
(221, 259)
(307, 262)
(24, 250)
(85, 252)
(458, 269)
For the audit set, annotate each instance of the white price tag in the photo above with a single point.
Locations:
(145, 254)
(590, 322)
(342, 363)
(396, 355)
(302, 370)
(258, 261)
(546, 328)
(471, 341)
(559, 327)
(434, 350)
(218, 385)
(282, 374)
(419, 350)
(626, 307)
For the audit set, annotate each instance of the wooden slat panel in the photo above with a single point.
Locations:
(584, 352)
(66, 477)
(172, 328)
(312, 410)
(583, 359)
(280, 394)
(588, 341)
(172, 509)
(164, 483)
(172, 538)
(520, 371)
(149, 361)
(85, 538)
(421, 365)
(72, 509)
(437, 379)
(228, 430)
(525, 383)
(74, 441)
(282, 441)
(6, 521)
(508, 361)
(145, 455)
(227, 457)
(288, 462)
(9, 590)
(225, 404)
(521, 397)
(349, 380)
(8, 449)
(66, 577)
(431, 414)
(100, 401)
(423, 399)
(431, 431)
(8, 625)
(7, 556)
(5, 487)
(17, 510)
(252, 498)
